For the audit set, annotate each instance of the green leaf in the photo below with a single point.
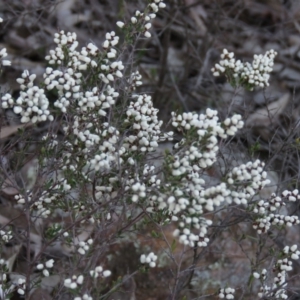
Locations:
(173, 246)
(155, 234)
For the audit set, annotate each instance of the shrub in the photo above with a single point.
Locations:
(97, 184)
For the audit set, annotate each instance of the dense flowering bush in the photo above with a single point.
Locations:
(94, 175)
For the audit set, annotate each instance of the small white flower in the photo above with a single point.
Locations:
(99, 272)
(143, 258)
(80, 279)
(148, 26)
(120, 24)
(49, 264)
(106, 273)
(147, 34)
(21, 291)
(73, 285)
(294, 248)
(17, 109)
(6, 62)
(226, 293)
(133, 20)
(149, 259)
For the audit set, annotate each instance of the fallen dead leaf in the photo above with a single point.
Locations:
(198, 13)
(10, 130)
(40, 294)
(264, 117)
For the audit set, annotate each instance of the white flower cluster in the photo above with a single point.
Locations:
(106, 190)
(67, 84)
(21, 286)
(232, 125)
(3, 54)
(226, 293)
(292, 251)
(143, 19)
(291, 196)
(57, 56)
(4, 268)
(41, 206)
(150, 177)
(274, 203)
(208, 129)
(51, 140)
(43, 267)
(73, 282)
(111, 41)
(185, 234)
(207, 124)
(247, 179)
(279, 294)
(4, 62)
(255, 74)
(189, 197)
(281, 267)
(134, 81)
(262, 225)
(213, 197)
(262, 275)
(266, 208)
(32, 104)
(148, 182)
(150, 259)
(108, 153)
(21, 199)
(139, 190)
(5, 289)
(68, 81)
(156, 4)
(100, 272)
(196, 199)
(65, 77)
(83, 247)
(145, 126)
(6, 236)
(111, 71)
